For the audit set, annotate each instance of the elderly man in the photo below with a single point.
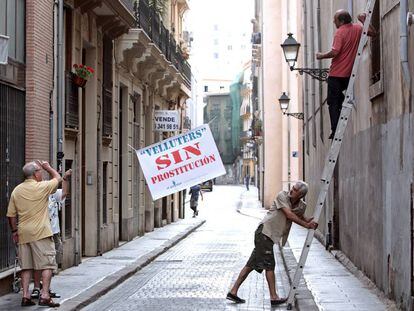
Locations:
(29, 205)
(275, 226)
(343, 53)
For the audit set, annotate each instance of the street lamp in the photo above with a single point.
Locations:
(284, 105)
(291, 51)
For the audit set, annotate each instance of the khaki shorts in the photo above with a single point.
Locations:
(38, 255)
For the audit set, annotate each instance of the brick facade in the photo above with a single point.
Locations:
(39, 77)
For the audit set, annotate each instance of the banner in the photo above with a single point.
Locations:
(4, 49)
(180, 162)
(166, 120)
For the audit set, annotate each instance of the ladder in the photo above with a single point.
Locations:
(333, 154)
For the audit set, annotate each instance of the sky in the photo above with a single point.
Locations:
(221, 32)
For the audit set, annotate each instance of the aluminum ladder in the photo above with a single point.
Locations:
(332, 156)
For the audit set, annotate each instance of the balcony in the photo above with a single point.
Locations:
(245, 136)
(114, 16)
(149, 21)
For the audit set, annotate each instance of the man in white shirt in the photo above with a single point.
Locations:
(56, 201)
(275, 226)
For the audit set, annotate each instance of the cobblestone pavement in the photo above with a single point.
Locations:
(196, 274)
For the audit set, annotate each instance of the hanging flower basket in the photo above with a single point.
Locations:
(82, 74)
(81, 82)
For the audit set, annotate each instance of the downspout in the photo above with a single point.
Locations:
(60, 81)
(52, 95)
(404, 45)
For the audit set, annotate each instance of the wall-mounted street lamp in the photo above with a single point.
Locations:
(284, 101)
(291, 51)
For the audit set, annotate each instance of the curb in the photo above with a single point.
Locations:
(111, 281)
(304, 299)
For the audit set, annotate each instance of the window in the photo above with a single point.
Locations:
(205, 88)
(104, 192)
(216, 55)
(215, 27)
(107, 86)
(230, 47)
(12, 24)
(216, 41)
(376, 45)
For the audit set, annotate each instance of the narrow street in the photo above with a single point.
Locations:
(197, 273)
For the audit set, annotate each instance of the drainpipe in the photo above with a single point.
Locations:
(98, 180)
(60, 81)
(404, 44)
(52, 95)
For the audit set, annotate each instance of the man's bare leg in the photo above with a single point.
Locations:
(271, 281)
(26, 275)
(240, 279)
(36, 278)
(46, 277)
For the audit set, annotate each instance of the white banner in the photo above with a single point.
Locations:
(166, 120)
(180, 162)
(4, 49)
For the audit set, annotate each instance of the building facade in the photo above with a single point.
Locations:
(279, 158)
(219, 114)
(369, 210)
(139, 63)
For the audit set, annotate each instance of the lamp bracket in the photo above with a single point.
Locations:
(316, 73)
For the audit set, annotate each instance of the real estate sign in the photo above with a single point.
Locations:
(180, 162)
(166, 120)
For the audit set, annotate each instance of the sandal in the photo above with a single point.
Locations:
(48, 302)
(27, 302)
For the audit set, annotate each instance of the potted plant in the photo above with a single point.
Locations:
(82, 74)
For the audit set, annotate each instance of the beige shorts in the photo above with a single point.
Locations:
(38, 255)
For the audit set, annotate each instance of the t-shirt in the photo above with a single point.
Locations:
(275, 224)
(29, 202)
(345, 42)
(195, 192)
(55, 205)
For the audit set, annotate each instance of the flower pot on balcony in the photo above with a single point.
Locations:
(79, 81)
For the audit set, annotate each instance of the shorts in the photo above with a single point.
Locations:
(38, 255)
(262, 257)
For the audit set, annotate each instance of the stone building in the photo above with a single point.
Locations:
(139, 59)
(369, 211)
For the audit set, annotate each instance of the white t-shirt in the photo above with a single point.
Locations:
(55, 205)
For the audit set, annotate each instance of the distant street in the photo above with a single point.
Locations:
(197, 273)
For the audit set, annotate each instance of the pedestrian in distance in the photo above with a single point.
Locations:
(195, 192)
(343, 54)
(30, 226)
(288, 207)
(56, 201)
(247, 181)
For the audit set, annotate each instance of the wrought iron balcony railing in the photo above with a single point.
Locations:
(149, 21)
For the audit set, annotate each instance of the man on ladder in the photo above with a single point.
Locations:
(343, 53)
(346, 52)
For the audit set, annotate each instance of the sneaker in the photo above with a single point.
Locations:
(234, 298)
(35, 293)
(277, 302)
(196, 213)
